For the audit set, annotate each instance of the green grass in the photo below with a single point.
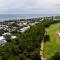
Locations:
(52, 46)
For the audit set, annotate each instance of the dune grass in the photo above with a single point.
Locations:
(52, 46)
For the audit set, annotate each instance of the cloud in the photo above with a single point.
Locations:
(29, 6)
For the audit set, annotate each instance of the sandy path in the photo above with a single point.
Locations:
(41, 50)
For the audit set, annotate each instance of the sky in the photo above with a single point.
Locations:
(29, 6)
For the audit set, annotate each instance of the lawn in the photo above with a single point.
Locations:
(53, 45)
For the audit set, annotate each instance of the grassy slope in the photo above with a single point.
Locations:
(52, 46)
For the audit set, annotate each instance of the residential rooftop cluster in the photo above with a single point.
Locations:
(6, 27)
(20, 25)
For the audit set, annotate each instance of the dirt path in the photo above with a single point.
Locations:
(41, 50)
(58, 38)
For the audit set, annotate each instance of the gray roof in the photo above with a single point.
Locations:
(2, 42)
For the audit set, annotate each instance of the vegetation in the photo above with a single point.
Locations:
(53, 45)
(26, 46)
(8, 38)
(2, 31)
(56, 56)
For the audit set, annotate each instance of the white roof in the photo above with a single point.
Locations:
(25, 23)
(24, 29)
(2, 40)
(6, 34)
(32, 24)
(13, 37)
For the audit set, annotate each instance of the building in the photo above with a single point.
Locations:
(6, 34)
(2, 40)
(24, 29)
(9, 34)
(13, 37)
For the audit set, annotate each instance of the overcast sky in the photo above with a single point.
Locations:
(29, 6)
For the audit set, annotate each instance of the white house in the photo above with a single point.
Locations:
(25, 23)
(24, 29)
(6, 34)
(12, 37)
(2, 40)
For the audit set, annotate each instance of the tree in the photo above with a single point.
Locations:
(8, 37)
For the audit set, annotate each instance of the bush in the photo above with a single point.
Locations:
(56, 56)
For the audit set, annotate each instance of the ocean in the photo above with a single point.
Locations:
(23, 16)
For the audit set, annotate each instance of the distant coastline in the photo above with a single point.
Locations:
(23, 16)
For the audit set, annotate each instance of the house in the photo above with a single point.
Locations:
(6, 34)
(2, 40)
(13, 37)
(9, 34)
(25, 23)
(32, 24)
(24, 29)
